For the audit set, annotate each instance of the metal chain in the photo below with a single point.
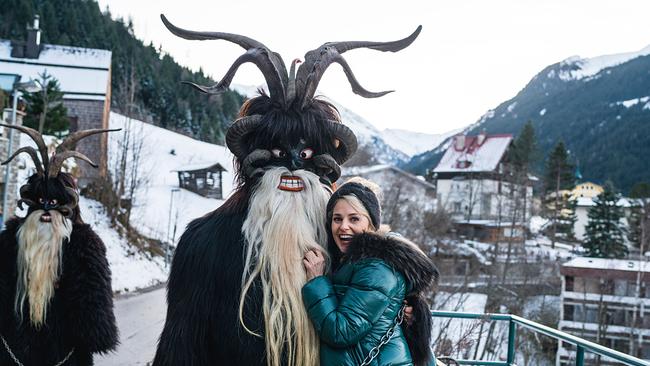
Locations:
(17, 361)
(390, 333)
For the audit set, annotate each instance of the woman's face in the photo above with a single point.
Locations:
(346, 222)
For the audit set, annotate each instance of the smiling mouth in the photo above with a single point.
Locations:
(346, 239)
(291, 183)
(46, 217)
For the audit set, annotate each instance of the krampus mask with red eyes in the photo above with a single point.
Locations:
(49, 188)
(290, 127)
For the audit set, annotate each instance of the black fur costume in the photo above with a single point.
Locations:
(80, 314)
(202, 326)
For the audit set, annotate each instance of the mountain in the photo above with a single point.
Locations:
(413, 143)
(600, 108)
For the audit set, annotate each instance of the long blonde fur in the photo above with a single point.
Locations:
(40, 252)
(280, 228)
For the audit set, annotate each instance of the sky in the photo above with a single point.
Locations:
(471, 56)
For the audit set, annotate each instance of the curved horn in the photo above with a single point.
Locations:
(291, 88)
(257, 56)
(318, 60)
(238, 130)
(345, 135)
(71, 140)
(32, 153)
(269, 63)
(24, 189)
(253, 157)
(25, 201)
(38, 139)
(329, 164)
(57, 162)
(75, 196)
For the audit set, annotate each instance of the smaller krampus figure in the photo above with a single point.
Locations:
(56, 305)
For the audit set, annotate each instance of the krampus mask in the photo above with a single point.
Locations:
(290, 127)
(49, 188)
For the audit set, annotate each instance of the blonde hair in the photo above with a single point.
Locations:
(40, 255)
(273, 254)
(358, 206)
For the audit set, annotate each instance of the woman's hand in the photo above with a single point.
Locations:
(314, 262)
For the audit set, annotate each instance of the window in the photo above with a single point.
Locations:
(568, 283)
(568, 312)
(456, 207)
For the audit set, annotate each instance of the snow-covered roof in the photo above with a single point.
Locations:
(608, 264)
(363, 170)
(474, 156)
(589, 202)
(198, 166)
(83, 73)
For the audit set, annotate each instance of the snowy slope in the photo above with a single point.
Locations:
(576, 68)
(153, 206)
(413, 143)
(130, 269)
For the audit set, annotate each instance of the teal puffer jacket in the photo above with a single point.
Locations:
(353, 308)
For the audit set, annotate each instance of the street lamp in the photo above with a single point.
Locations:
(7, 80)
(169, 224)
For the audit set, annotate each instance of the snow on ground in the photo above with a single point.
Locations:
(130, 269)
(155, 211)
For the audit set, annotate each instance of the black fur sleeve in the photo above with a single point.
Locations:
(88, 286)
(7, 268)
(183, 339)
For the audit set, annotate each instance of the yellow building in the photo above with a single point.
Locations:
(586, 189)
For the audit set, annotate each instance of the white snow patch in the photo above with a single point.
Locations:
(131, 269)
(542, 112)
(632, 102)
(154, 213)
(591, 66)
(414, 143)
(512, 106)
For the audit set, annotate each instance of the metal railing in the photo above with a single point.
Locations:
(515, 321)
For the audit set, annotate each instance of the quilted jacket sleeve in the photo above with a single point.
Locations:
(341, 323)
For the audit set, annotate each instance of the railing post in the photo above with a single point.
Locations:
(580, 356)
(512, 335)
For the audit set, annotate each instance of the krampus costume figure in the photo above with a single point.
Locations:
(234, 292)
(56, 305)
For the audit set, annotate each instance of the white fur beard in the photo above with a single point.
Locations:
(280, 228)
(40, 251)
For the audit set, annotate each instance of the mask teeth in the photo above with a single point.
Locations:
(291, 183)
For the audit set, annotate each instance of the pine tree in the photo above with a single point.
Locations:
(45, 110)
(524, 151)
(605, 236)
(639, 220)
(559, 176)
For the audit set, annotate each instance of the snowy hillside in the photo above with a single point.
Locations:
(576, 68)
(165, 152)
(413, 143)
(370, 139)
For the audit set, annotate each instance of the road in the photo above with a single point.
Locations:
(140, 319)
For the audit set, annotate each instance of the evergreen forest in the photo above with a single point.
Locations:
(153, 75)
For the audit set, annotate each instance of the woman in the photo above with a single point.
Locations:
(373, 273)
